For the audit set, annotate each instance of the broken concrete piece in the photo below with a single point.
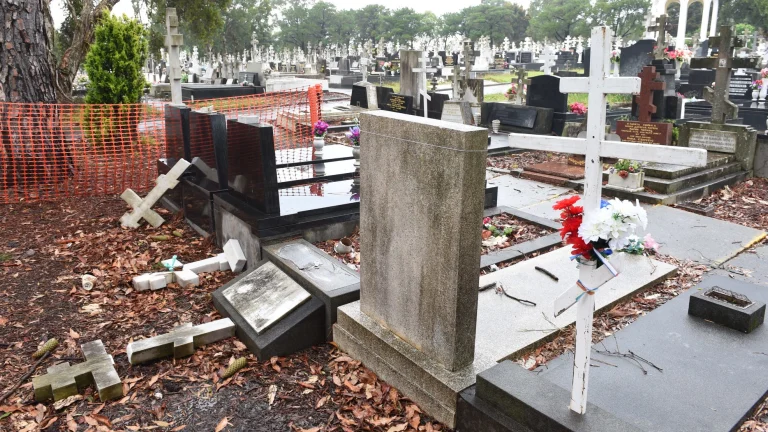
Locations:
(180, 342)
(63, 380)
(223, 263)
(186, 278)
(142, 209)
(204, 266)
(235, 255)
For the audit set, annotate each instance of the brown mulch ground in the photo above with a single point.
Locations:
(744, 204)
(523, 160)
(44, 250)
(524, 231)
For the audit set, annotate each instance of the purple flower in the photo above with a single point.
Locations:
(354, 135)
(320, 128)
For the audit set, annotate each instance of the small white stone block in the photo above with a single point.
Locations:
(203, 266)
(141, 282)
(186, 278)
(235, 255)
(223, 263)
(159, 280)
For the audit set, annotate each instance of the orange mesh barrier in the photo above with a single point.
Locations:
(53, 151)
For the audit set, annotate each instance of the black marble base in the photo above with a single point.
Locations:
(197, 92)
(298, 330)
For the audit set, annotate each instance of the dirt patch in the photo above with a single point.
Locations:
(504, 230)
(45, 248)
(523, 160)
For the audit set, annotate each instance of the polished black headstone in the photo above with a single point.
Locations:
(198, 92)
(177, 132)
(701, 76)
(544, 92)
(359, 96)
(399, 103)
(201, 140)
(585, 59)
(517, 118)
(741, 85)
(435, 105)
(635, 57)
(252, 173)
(526, 57)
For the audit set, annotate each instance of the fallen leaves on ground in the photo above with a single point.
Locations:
(522, 160)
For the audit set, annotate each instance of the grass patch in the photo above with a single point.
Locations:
(613, 99)
(498, 97)
(5, 257)
(395, 86)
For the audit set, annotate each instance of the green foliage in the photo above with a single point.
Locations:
(114, 61)
(496, 19)
(557, 19)
(628, 166)
(240, 20)
(202, 20)
(625, 17)
(63, 36)
(754, 12)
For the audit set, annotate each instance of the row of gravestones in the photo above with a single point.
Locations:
(388, 100)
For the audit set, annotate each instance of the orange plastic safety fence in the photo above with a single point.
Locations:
(53, 151)
(50, 151)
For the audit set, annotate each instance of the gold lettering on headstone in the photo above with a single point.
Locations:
(397, 103)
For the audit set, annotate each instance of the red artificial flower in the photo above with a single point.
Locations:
(565, 203)
(623, 174)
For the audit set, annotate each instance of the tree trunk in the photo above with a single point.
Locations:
(81, 41)
(26, 62)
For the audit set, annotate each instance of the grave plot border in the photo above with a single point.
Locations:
(525, 248)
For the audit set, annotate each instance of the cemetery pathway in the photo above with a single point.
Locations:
(45, 248)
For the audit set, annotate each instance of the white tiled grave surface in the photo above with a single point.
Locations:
(505, 327)
(265, 296)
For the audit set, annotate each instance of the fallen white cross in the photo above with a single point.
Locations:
(142, 209)
(233, 259)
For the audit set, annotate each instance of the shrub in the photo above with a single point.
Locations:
(114, 61)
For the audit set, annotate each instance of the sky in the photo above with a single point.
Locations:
(437, 6)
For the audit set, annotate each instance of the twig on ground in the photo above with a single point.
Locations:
(25, 377)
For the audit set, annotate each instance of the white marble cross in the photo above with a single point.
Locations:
(423, 70)
(594, 147)
(548, 57)
(143, 208)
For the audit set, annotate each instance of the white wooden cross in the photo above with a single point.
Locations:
(423, 70)
(143, 208)
(594, 147)
(548, 57)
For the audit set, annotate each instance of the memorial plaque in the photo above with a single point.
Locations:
(264, 296)
(399, 103)
(448, 62)
(514, 115)
(644, 132)
(740, 86)
(710, 140)
(499, 63)
(526, 57)
(457, 112)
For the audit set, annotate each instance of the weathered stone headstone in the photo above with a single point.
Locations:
(63, 380)
(458, 112)
(179, 342)
(635, 57)
(413, 313)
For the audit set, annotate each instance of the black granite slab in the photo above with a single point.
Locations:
(382, 94)
(359, 96)
(399, 103)
(518, 118)
(299, 329)
(252, 172)
(196, 92)
(635, 57)
(544, 92)
(177, 138)
(713, 377)
(196, 202)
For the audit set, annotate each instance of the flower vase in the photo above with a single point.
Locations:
(318, 144)
(356, 164)
(615, 69)
(755, 94)
(763, 92)
(320, 169)
(678, 69)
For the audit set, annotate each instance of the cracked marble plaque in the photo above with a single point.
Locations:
(325, 273)
(265, 296)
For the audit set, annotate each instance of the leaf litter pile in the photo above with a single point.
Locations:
(46, 248)
(504, 230)
(522, 160)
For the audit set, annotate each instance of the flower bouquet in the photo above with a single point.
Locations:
(354, 135)
(494, 236)
(615, 56)
(320, 129)
(606, 231)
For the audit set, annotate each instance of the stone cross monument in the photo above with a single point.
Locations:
(173, 40)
